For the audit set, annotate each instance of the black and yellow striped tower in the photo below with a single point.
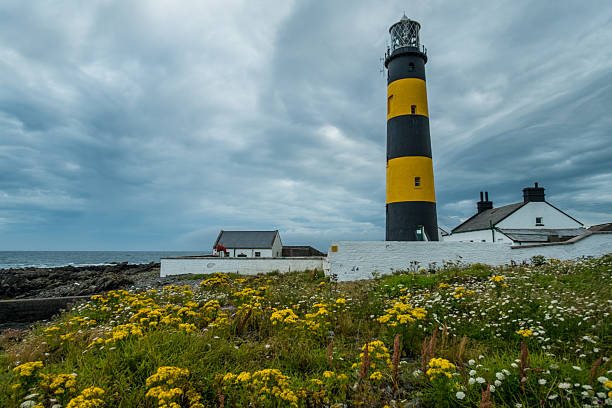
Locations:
(411, 198)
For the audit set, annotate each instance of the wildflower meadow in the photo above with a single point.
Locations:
(529, 335)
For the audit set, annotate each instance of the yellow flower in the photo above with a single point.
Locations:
(440, 367)
(328, 374)
(89, 398)
(283, 316)
(525, 332)
(376, 376)
(26, 369)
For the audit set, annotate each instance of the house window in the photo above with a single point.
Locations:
(257, 254)
(413, 109)
(417, 181)
(539, 221)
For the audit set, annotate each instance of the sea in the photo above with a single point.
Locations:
(51, 259)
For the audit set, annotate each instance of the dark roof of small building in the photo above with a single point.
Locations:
(484, 219)
(301, 250)
(601, 227)
(246, 239)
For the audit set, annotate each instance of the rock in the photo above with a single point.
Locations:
(70, 280)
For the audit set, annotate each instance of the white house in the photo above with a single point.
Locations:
(248, 244)
(532, 221)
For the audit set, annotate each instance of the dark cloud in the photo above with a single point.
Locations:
(152, 125)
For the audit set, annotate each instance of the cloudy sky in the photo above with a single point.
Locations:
(151, 125)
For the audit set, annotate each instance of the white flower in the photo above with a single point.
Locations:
(471, 362)
(552, 396)
(564, 386)
(471, 381)
(480, 357)
(480, 380)
(518, 405)
(497, 383)
(577, 368)
(541, 381)
(602, 379)
(506, 371)
(460, 395)
(499, 376)
(416, 373)
(472, 373)
(514, 365)
(554, 366)
(492, 388)
(601, 394)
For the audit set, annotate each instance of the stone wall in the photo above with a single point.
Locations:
(360, 260)
(246, 266)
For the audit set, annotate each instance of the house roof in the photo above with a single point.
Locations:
(602, 227)
(246, 239)
(484, 219)
(540, 235)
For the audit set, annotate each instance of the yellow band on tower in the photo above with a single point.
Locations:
(401, 179)
(404, 94)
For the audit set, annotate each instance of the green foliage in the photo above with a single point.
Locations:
(137, 349)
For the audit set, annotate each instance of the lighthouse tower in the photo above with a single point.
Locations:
(411, 199)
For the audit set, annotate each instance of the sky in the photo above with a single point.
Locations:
(151, 125)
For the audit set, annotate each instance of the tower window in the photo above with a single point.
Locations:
(539, 221)
(413, 109)
(411, 67)
(389, 104)
(417, 181)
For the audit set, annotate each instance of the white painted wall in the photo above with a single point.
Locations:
(478, 236)
(359, 260)
(250, 252)
(525, 217)
(277, 247)
(247, 266)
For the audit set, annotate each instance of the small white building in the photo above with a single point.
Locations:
(532, 221)
(248, 244)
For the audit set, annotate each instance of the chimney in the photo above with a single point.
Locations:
(533, 193)
(484, 204)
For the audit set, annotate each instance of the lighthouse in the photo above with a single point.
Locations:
(411, 198)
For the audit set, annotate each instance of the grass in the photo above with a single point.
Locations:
(446, 337)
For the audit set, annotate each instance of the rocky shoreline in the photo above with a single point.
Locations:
(71, 281)
(83, 280)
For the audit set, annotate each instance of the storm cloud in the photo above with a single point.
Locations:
(152, 125)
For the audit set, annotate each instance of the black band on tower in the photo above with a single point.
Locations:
(398, 142)
(407, 216)
(406, 66)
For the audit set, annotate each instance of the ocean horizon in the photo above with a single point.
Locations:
(53, 259)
